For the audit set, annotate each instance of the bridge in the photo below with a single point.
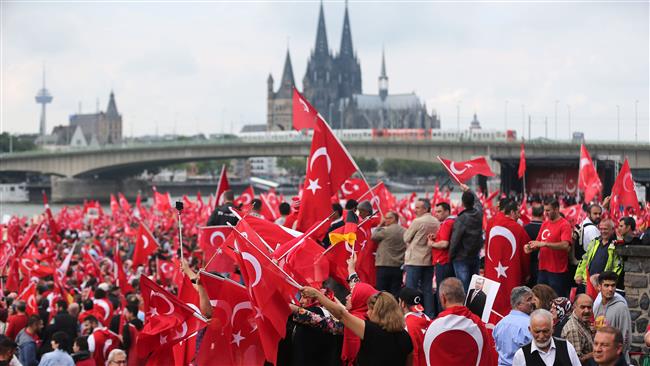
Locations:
(128, 160)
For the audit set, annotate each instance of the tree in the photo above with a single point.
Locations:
(294, 166)
(16, 142)
(367, 165)
(410, 168)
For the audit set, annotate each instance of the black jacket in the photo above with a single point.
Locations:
(222, 215)
(467, 233)
(65, 323)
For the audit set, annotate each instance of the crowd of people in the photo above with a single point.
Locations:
(406, 294)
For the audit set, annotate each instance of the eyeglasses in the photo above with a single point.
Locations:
(118, 362)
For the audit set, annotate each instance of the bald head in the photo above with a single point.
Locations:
(451, 292)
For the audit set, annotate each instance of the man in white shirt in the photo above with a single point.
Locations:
(590, 225)
(545, 349)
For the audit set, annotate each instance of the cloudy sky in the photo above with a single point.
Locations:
(202, 67)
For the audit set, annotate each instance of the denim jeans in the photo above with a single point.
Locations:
(558, 281)
(442, 271)
(389, 279)
(421, 278)
(464, 269)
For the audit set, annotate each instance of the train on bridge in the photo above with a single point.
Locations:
(407, 134)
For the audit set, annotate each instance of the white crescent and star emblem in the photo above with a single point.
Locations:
(584, 162)
(304, 105)
(452, 167)
(256, 266)
(217, 234)
(183, 331)
(452, 323)
(164, 267)
(241, 306)
(321, 151)
(245, 198)
(628, 183)
(506, 233)
(170, 306)
(104, 307)
(313, 186)
(145, 240)
(545, 234)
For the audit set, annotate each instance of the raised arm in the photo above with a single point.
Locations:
(356, 325)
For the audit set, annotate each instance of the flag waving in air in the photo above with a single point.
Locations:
(522, 162)
(623, 193)
(145, 245)
(588, 180)
(328, 166)
(222, 186)
(304, 115)
(462, 171)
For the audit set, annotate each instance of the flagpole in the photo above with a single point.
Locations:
(179, 209)
(306, 235)
(448, 170)
(220, 278)
(294, 282)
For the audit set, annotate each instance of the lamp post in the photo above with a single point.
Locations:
(618, 122)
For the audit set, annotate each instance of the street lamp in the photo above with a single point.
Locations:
(618, 121)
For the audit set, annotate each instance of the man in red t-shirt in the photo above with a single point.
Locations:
(554, 243)
(17, 321)
(416, 322)
(439, 244)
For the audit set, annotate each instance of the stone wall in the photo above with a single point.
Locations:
(636, 264)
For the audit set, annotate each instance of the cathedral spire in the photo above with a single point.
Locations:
(383, 78)
(287, 82)
(111, 110)
(346, 36)
(321, 47)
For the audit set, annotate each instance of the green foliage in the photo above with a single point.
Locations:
(367, 165)
(18, 143)
(410, 168)
(212, 167)
(294, 166)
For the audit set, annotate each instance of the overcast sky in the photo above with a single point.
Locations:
(202, 67)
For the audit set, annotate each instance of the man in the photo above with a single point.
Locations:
(588, 229)
(505, 260)
(416, 321)
(28, 341)
(600, 257)
(390, 253)
(100, 339)
(532, 229)
(545, 349)
(117, 357)
(62, 321)
(476, 298)
(285, 210)
(608, 348)
(612, 311)
(17, 321)
(467, 237)
(256, 208)
(8, 351)
(439, 244)
(554, 243)
(417, 261)
(441, 341)
(577, 330)
(625, 231)
(511, 332)
(222, 214)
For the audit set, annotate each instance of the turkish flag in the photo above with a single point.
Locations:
(29, 297)
(588, 180)
(231, 337)
(185, 349)
(54, 228)
(145, 245)
(380, 198)
(270, 292)
(354, 188)
(161, 202)
(168, 320)
(222, 186)
(367, 249)
(572, 213)
(321, 181)
(273, 234)
(522, 162)
(304, 115)
(115, 207)
(623, 193)
(212, 241)
(505, 260)
(458, 326)
(245, 198)
(270, 211)
(462, 171)
(103, 310)
(299, 257)
(31, 268)
(166, 270)
(120, 275)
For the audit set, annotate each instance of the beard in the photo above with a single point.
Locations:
(544, 344)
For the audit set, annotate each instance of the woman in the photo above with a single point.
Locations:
(59, 357)
(546, 298)
(543, 296)
(380, 335)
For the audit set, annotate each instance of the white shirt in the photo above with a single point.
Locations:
(547, 357)
(589, 233)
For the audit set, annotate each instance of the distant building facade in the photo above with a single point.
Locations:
(104, 127)
(332, 84)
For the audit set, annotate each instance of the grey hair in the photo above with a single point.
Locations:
(517, 295)
(543, 314)
(452, 289)
(114, 353)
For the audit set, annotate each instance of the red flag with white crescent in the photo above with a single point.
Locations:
(462, 171)
(588, 180)
(245, 198)
(145, 245)
(354, 188)
(522, 162)
(623, 192)
(222, 186)
(304, 114)
(458, 326)
(29, 297)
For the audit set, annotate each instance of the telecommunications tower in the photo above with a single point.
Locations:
(43, 97)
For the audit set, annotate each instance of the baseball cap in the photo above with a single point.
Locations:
(412, 298)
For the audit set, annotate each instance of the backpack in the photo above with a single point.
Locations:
(578, 235)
